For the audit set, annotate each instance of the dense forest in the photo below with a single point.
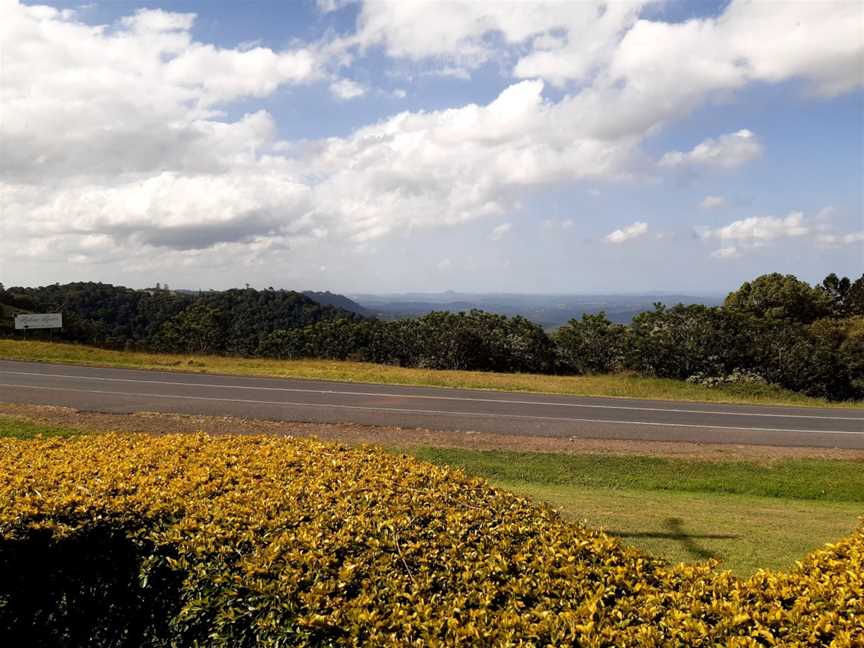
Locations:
(775, 330)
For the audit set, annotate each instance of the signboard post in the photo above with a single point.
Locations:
(39, 321)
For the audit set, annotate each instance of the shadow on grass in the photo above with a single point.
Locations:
(675, 531)
(83, 590)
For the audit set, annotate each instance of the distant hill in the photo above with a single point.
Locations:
(338, 301)
(549, 311)
(228, 321)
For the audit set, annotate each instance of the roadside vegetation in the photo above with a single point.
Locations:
(749, 515)
(619, 385)
(16, 428)
(234, 541)
(775, 333)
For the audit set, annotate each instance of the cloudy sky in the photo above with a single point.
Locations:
(421, 146)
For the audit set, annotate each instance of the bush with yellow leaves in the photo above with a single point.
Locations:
(258, 541)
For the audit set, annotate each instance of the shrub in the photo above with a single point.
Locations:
(264, 541)
(737, 377)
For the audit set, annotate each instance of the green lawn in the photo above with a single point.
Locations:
(744, 533)
(20, 429)
(747, 515)
(812, 479)
(617, 385)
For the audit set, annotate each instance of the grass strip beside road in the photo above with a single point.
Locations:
(615, 385)
(15, 428)
(808, 479)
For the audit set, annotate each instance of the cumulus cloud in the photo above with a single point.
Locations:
(727, 151)
(118, 141)
(173, 173)
(450, 166)
(627, 233)
(680, 62)
(82, 100)
(346, 89)
(761, 229)
(713, 202)
(500, 231)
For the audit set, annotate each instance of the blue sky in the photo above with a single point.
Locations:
(473, 146)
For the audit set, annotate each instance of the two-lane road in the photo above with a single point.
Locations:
(123, 390)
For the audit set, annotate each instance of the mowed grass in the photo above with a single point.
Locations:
(11, 427)
(746, 515)
(811, 479)
(617, 385)
(744, 533)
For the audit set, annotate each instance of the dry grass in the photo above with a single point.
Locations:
(616, 385)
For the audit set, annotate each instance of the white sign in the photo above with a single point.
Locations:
(39, 321)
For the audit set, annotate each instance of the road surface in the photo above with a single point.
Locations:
(124, 391)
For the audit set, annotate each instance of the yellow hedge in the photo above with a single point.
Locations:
(243, 541)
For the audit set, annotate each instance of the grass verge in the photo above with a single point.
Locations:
(747, 515)
(617, 385)
(15, 428)
(744, 533)
(809, 479)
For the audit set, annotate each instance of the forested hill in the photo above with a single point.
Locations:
(231, 321)
(775, 330)
(339, 301)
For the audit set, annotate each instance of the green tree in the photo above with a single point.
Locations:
(591, 345)
(780, 297)
(198, 329)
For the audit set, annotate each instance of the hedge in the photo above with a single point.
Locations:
(118, 540)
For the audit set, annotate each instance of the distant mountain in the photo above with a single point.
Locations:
(550, 311)
(339, 301)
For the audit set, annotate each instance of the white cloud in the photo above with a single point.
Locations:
(173, 173)
(727, 151)
(500, 231)
(836, 240)
(79, 100)
(117, 141)
(627, 233)
(730, 252)
(346, 89)
(674, 64)
(713, 202)
(450, 166)
(761, 229)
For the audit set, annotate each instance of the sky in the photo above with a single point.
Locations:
(469, 145)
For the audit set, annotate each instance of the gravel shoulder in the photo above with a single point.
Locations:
(156, 423)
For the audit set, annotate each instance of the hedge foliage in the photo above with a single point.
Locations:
(240, 541)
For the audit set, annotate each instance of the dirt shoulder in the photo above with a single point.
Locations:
(154, 423)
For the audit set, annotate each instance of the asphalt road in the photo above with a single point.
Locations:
(123, 391)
